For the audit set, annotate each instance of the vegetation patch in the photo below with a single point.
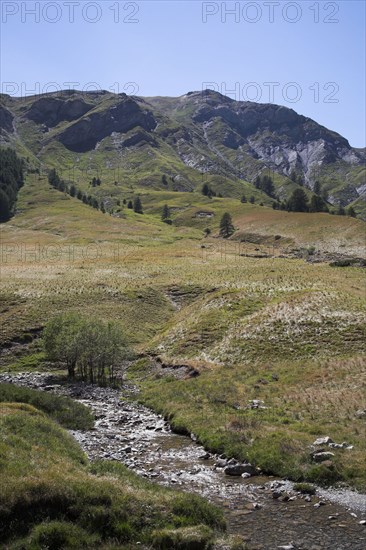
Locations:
(52, 498)
(66, 411)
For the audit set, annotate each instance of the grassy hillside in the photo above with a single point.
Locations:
(253, 319)
(52, 498)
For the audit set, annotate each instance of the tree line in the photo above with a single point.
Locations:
(299, 202)
(90, 200)
(11, 180)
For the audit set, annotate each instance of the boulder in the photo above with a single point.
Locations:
(323, 441)
(322, 456)
(239, 469)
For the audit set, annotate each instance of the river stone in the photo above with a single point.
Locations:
(322, 456)
(221, 463)
(239, 469)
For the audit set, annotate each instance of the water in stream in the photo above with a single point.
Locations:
(132, 434)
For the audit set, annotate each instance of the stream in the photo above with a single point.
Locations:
(265, 511)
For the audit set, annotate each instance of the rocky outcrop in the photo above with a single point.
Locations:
(85, 133)
(277, 135)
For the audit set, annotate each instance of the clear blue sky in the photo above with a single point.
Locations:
(176, 46)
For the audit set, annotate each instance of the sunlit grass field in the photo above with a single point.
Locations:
(274, 328)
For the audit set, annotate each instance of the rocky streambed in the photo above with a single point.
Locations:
(265, 511)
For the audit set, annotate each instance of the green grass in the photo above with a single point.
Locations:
(52, 498)
(302, 400)
(64, 410)
(29, 362)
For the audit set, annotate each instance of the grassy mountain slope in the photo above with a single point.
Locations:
(273, 327)
(132, 142)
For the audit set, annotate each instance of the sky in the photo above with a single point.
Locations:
(308, 56)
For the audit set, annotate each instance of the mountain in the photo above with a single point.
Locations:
(200, 136)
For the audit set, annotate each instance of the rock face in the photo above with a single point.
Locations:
(50, 111)
(275, 134)
(85, 133)
(6, 120)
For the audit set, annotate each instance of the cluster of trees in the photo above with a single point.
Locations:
(58, 183)
(244, 199)
(265, 184)
(95, 182)
(11, 180)
(299, 202)
(90, 349)
(207, 191)
(135, 205)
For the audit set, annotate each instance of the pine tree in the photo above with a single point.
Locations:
(165, 216)
(351, 212)
(206, 191)
(137, 205)
(226, 225)
(257, 182)
(317, 187)
(4, 207)
(317, 204)
(130, 205)
(252, 200)
(11, 180)
(243, 199)
(298, 201)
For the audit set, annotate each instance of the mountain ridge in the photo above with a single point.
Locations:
(198, 134)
